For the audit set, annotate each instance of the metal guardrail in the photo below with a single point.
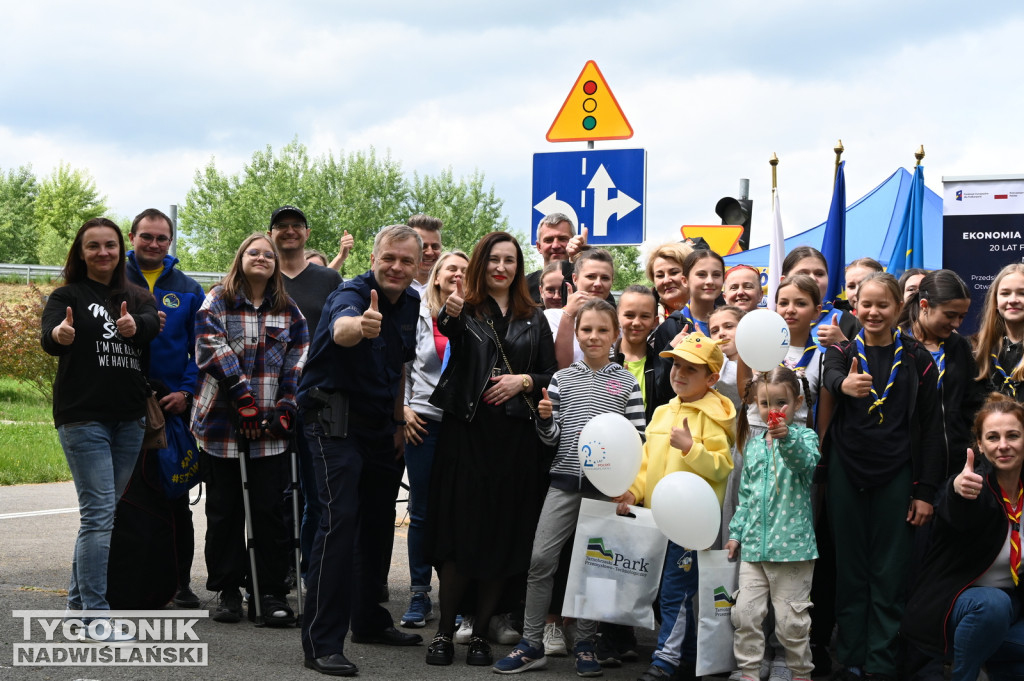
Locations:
(32, 273)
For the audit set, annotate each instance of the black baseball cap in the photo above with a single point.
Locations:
(277, 214)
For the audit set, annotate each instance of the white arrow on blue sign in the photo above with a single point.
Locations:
(604, 191)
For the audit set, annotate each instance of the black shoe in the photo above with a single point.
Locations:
(389, 637)
(822, 660)
(605, 652)
(333, 665)
(479, 653)
(185, 598)
(229, 609)
(275, 611)
(441, 650)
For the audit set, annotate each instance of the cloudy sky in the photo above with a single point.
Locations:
(143, 94)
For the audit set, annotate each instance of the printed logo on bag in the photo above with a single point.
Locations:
(126, 638)
(171, 301)
(599, 556)
(723, 602)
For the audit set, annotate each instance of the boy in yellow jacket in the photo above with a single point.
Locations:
(694, 432)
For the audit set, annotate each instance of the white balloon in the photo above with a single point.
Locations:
(762, 339)
(610, 452)
(686, 510)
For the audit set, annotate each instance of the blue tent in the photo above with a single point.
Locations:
(872, 225)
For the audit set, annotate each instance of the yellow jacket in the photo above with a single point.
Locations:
(711, 420)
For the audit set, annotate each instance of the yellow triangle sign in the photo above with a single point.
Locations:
(590, 112)
(723, 239)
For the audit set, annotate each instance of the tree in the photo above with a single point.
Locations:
(18, 191)
(627, 267)
(467, 209)
(359, 193)
(66, 199)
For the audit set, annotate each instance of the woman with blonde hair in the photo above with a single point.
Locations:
(998, 346)
(665, 271)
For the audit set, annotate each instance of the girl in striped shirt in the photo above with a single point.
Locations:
(576, 394)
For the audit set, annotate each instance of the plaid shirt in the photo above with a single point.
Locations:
(265, 351)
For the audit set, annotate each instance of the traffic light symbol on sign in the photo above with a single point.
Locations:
(590, 112)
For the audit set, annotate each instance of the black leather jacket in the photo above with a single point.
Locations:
(474, 353)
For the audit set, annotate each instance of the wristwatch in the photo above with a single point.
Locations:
(188, 397)
(526, 382)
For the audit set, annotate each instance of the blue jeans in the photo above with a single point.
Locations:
(419, 460)
(101, 456)
(987, 629)
(677, 638)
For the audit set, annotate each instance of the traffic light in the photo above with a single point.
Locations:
(737, 212)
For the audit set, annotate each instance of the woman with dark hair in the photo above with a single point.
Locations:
(99, 325)
(488, 479)
(932, 315)
(968, 601)
(251, 343)
(833, 325)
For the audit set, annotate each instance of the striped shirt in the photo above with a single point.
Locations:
(577, 394)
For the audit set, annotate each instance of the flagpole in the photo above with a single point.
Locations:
(839, 149)
(774, 162)
(919, 155)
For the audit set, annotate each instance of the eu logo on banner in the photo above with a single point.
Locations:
(603, 191)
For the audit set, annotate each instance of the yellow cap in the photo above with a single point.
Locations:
(698, 349)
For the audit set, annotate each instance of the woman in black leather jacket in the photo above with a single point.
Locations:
(489, 472)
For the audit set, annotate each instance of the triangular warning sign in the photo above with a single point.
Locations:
(723, 239)
(590, 112)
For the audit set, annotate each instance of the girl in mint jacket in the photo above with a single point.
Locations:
(772, 531)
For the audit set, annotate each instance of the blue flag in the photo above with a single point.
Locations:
(833, 245)
(908, 251)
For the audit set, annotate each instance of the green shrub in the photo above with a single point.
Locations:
(21, 355)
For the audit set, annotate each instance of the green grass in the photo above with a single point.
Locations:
(29, 449)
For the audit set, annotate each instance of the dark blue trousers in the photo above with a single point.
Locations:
(357, 480)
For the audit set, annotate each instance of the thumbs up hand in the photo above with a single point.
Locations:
(369, 323)
(683, 333)
(64, 333)
(968, 484)
(545, 407)
(829, 332)
(126, 323)
(856, 384)
(453, 306)
(576, 245)
(345, 245)
(681, 438)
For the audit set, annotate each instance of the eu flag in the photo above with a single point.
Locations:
(908, 251)
(833, 246)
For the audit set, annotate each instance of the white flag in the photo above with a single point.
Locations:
(776, 250)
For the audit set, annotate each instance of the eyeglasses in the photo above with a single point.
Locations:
(255, 253)
(159, 238)
(284, 226)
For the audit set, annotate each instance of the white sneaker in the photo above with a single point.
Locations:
(554, 641)
(465, 631)
(779, 671)
(501, 632)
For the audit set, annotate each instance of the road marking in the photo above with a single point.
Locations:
(29, 514)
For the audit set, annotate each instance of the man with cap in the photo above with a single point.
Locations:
(352, 398)
(172, 363)
(308, 284)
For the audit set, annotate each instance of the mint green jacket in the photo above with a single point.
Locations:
(774, 522)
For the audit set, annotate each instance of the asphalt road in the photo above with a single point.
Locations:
(35, 561)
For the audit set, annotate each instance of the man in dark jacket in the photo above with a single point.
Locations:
(172, 363)
(352, 398)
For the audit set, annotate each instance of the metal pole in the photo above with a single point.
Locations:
(774, 163)
(173, 250)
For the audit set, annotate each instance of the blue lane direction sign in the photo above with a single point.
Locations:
(604, 191)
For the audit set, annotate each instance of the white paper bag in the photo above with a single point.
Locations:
(616, 566)
(716, 594)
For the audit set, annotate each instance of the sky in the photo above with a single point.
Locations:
(144, 94)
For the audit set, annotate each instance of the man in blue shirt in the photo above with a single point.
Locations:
(172, 362)
(351, 397)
